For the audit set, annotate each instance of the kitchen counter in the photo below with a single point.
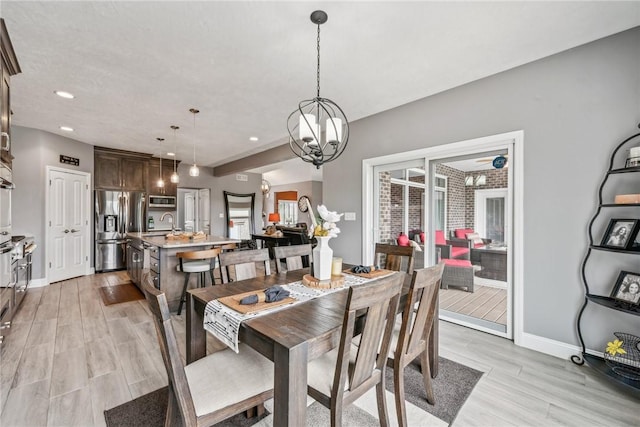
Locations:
(158, 239)
(153, 253)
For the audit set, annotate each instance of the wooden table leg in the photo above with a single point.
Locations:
(290, 388)
(196, 336)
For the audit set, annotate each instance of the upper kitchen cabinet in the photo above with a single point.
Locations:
(10, 67)
(169, 189)
(120, 170)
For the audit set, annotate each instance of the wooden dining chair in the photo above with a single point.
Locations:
(244, 263)
(397, 258)
(293, 256)
(213, 388)
(357, 369)
(196, 262)
(411, 339)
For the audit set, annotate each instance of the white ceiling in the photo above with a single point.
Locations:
(137, 67)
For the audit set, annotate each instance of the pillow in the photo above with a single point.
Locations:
(460, 233)
(403, 240)
(475, 238)
(415, 245)
(440, 240)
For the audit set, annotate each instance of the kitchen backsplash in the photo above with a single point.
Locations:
(160, 225)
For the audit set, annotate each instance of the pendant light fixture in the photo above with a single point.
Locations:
(193, 170)
(304, 123)
(175, 178)
(160, 183)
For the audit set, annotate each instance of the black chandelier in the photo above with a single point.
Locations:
(304, 123)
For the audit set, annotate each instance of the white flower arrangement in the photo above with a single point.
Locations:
(327, 224)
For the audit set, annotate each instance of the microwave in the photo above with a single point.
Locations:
(162, 201)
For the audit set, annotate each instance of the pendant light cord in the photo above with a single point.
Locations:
(318, 70)
(194, 138)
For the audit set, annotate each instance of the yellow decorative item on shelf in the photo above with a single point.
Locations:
(615, 347)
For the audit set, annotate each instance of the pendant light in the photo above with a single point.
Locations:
(193, 170)
(160, 183)
(304, 123)
(175, 178)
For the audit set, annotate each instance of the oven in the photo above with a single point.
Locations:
(7, 284)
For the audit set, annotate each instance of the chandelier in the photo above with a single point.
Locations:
(193, 170)
(304, 123)
(175, 178)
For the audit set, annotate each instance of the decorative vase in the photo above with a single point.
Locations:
(322, 258)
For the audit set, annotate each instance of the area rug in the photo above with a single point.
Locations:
(451, 387)
(120, 293)
(149, 411)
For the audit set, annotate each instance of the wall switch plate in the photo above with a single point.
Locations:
(242, 177)
(349, 216)
(220, 215)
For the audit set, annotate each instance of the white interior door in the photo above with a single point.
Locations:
(204, 210)
(68, 224)
(190, 211)
(491, 211)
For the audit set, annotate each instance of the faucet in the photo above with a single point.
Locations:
(172, 221)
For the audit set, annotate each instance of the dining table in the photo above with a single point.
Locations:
(289, 337)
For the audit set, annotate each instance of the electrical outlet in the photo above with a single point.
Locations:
(242, 177)
(349, 216)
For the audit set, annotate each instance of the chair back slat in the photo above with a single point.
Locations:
(380, 300)
(206, 254)
(414, 334)
(293, 256)
(397, 258)
(244, 263)
(169, 348)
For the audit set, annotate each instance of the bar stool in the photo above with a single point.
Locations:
(200, 262)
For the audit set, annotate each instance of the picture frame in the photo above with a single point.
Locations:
(634, 244)
(620, 233)
(627, 288)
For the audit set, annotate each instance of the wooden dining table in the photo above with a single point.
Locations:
(290, 337)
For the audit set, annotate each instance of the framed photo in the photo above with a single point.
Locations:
(627, 288)
(620, 233)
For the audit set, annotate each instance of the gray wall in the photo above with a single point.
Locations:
(33, 150)
(574, 107)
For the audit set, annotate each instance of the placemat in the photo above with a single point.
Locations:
(233, 302)
(376, 274)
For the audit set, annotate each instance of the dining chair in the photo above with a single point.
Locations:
(397, 258)
(244, 263)
(226, 248)
(196, 262)
(213, 388)
(293, 255)
(358, 369)
(411, 339)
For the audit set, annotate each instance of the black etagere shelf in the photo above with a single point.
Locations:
(608, 368)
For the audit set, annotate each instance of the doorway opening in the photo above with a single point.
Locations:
(460, 207)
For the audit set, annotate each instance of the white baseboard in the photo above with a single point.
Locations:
(38, 283)
(549, 346)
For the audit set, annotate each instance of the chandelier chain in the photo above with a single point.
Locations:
(318, 70)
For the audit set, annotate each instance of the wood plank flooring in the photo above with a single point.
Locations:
(487, 303)
(69, 357)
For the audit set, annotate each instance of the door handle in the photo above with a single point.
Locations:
(73, 230)
(4, 233)
(66, 231)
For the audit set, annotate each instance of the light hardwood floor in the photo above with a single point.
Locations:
(487, 303)
(69, 357)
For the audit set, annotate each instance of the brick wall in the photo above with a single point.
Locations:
(385, 207)
(456, 198)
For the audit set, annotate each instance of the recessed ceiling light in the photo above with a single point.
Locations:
(64, 94)
(66, 128)
(171, 154)
(253, 138)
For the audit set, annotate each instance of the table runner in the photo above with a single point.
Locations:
(224, 322)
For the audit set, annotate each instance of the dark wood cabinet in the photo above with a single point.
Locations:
(170, 189)
(10, 67)
(120, 170)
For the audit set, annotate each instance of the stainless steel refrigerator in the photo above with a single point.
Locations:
(116, 214)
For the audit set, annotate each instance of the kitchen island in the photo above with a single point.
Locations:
(155, 253)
